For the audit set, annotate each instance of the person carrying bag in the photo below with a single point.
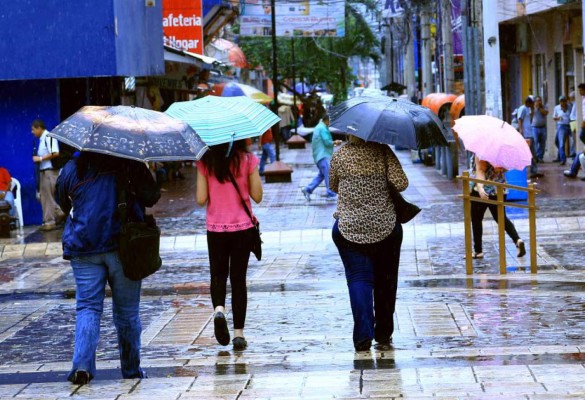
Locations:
(227, 178)
(87, 192)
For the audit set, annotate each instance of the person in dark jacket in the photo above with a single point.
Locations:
(87, 193)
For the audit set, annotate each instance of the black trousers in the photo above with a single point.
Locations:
(477, 213)
(229, 253)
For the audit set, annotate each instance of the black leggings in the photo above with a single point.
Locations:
(477, 213)
(229, 253)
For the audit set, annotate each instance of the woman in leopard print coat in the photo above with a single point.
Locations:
(367, 235)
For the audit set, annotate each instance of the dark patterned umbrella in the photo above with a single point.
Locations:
(130, 132)
(388, 120)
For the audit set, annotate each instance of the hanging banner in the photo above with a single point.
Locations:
(183, 25)
(293, 18)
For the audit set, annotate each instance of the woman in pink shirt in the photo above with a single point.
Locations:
(229, 229)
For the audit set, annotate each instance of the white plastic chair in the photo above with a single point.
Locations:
(15, 188)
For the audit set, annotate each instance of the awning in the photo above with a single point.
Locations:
(185, 57)
(235, 55)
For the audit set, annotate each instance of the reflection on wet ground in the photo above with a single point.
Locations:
(480, 336)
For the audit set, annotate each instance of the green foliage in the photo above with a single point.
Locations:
(319, 59)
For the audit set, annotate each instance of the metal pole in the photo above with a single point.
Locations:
(275, 128)
(532, 227)
(501, 229)
(447, 36)
(467, 222)
(294, 75)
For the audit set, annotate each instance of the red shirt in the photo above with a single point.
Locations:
(4, 180)
(266, 137)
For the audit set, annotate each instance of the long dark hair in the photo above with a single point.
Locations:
(218, 164)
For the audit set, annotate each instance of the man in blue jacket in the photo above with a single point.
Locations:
(87, 192)
(322, 151)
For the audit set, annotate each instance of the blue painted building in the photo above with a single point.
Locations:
(58, 55)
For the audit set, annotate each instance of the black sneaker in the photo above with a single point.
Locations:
(239, 343)
(363, 346)
(521, 249)
(80, 377)
(222, 334)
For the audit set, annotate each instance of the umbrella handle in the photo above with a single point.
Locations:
(231, 145)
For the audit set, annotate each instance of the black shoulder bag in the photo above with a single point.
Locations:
(255, 240)
(139, 242)
(405, 211)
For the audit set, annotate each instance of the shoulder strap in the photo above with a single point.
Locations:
(232, 179)
(121, 185)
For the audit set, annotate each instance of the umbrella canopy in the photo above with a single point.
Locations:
(224, 119)
(390, 121)
(302, 88)
(233, 89)
(130, 132)
(494, 141)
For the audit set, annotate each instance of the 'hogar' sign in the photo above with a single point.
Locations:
(183, 25)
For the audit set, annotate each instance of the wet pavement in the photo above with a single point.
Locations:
(484, 336)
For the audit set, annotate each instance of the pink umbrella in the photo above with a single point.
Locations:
(494, 141)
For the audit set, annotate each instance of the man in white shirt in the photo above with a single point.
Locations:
(47, 150)
(562, 114)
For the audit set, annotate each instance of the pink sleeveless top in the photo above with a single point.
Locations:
(225, 212)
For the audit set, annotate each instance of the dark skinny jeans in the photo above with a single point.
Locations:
(229, 253)
(371, 271)
(477, 213)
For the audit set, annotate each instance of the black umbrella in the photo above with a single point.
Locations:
(390, 121)
(394, 87)
(130, 132)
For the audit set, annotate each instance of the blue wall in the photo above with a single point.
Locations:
(139, 44)
(71, 38)
(22, 102)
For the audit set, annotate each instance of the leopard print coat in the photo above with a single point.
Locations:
(359, 174)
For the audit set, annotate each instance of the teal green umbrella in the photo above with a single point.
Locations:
(220, 120)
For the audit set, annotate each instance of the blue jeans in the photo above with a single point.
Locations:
(9, 198)
(323, 165)
(575, 166)
(563, 134)
(533, 165)
(91, 274)
(371, 271)
(267, 152)
(539, 134)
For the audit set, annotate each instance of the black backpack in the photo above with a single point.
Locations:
(65, 154)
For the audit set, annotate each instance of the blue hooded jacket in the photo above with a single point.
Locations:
(91, 201)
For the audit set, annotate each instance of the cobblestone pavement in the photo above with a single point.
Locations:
(484, 336)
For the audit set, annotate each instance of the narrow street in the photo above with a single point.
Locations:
(486, 336)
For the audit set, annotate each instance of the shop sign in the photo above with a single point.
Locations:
(183, 25)
(293, 18)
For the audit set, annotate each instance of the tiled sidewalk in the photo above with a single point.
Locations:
(485, 336)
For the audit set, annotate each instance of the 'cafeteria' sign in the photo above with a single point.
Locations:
(183, 25)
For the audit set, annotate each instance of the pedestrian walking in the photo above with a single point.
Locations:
(485, 171)
(267, 150)
(367, 235)
(227, 177)
(539, 128)
(562, 114)
(47, 150)
(576, 165)
(322, 146)
(525, 116)
(87, 192)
